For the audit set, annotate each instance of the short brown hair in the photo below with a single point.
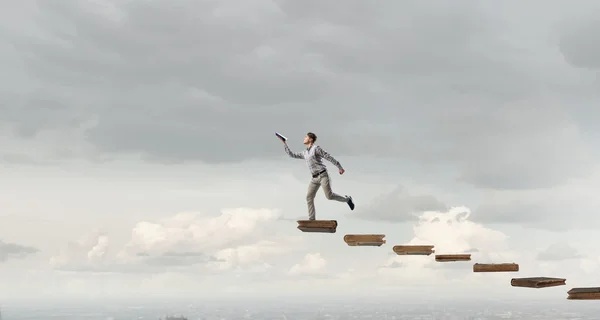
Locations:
(312, 136)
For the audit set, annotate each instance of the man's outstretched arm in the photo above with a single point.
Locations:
(328, 157)
(295, 155)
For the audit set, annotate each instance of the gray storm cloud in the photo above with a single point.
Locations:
(14, 251)
(450, 85)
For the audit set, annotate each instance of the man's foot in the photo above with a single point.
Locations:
(350, 203)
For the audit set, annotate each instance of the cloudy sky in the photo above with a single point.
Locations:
(138, 154)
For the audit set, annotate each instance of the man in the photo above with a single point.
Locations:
(313, 155)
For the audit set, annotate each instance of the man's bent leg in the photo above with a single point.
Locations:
(330, 195)
(313, 186)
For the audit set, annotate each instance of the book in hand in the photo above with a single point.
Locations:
(280, 136)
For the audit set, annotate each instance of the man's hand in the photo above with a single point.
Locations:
(282, 140)
(342, 171)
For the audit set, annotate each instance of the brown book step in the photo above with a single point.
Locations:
(452, 257)
(537, 282)
(588, 293)
(375, 240)
(413, 250)
(495, 267)
(324, 226)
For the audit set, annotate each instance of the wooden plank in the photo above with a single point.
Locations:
(323, 226)
(537, 282)
(452, 257)
(495, 267)
(588, 293)
(375, 240)
(413, 250)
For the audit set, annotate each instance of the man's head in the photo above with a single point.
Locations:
(310, 138)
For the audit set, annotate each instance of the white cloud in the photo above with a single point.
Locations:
(99, 251)
(450, 232)
(85, 252)
(254, 255)
(237, 239)
(185, 231)
(453, 232)
(312, 265)
(180, 247)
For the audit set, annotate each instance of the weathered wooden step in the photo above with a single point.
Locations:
(452, 257)
(324, 226)
(375, 240)
(537, 282)
(587, 293)
(495, 267)
(413, 250)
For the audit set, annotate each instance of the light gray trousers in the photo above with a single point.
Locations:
(313, 187)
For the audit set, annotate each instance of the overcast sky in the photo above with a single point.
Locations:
(139, 157)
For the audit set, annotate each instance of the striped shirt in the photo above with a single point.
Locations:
(313, 156)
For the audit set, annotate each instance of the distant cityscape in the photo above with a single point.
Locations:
(167, 318)
(358, 310)
(180, 317)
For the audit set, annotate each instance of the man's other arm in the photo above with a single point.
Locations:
(295, 155)
(328, 157)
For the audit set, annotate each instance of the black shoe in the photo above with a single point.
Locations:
(350, 203)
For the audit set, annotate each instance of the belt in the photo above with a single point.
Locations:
(319, 173)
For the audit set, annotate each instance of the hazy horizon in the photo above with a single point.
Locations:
(194, 309)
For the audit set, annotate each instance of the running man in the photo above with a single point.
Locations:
(313, 155)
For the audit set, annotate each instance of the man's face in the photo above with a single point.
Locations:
(306, 139)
